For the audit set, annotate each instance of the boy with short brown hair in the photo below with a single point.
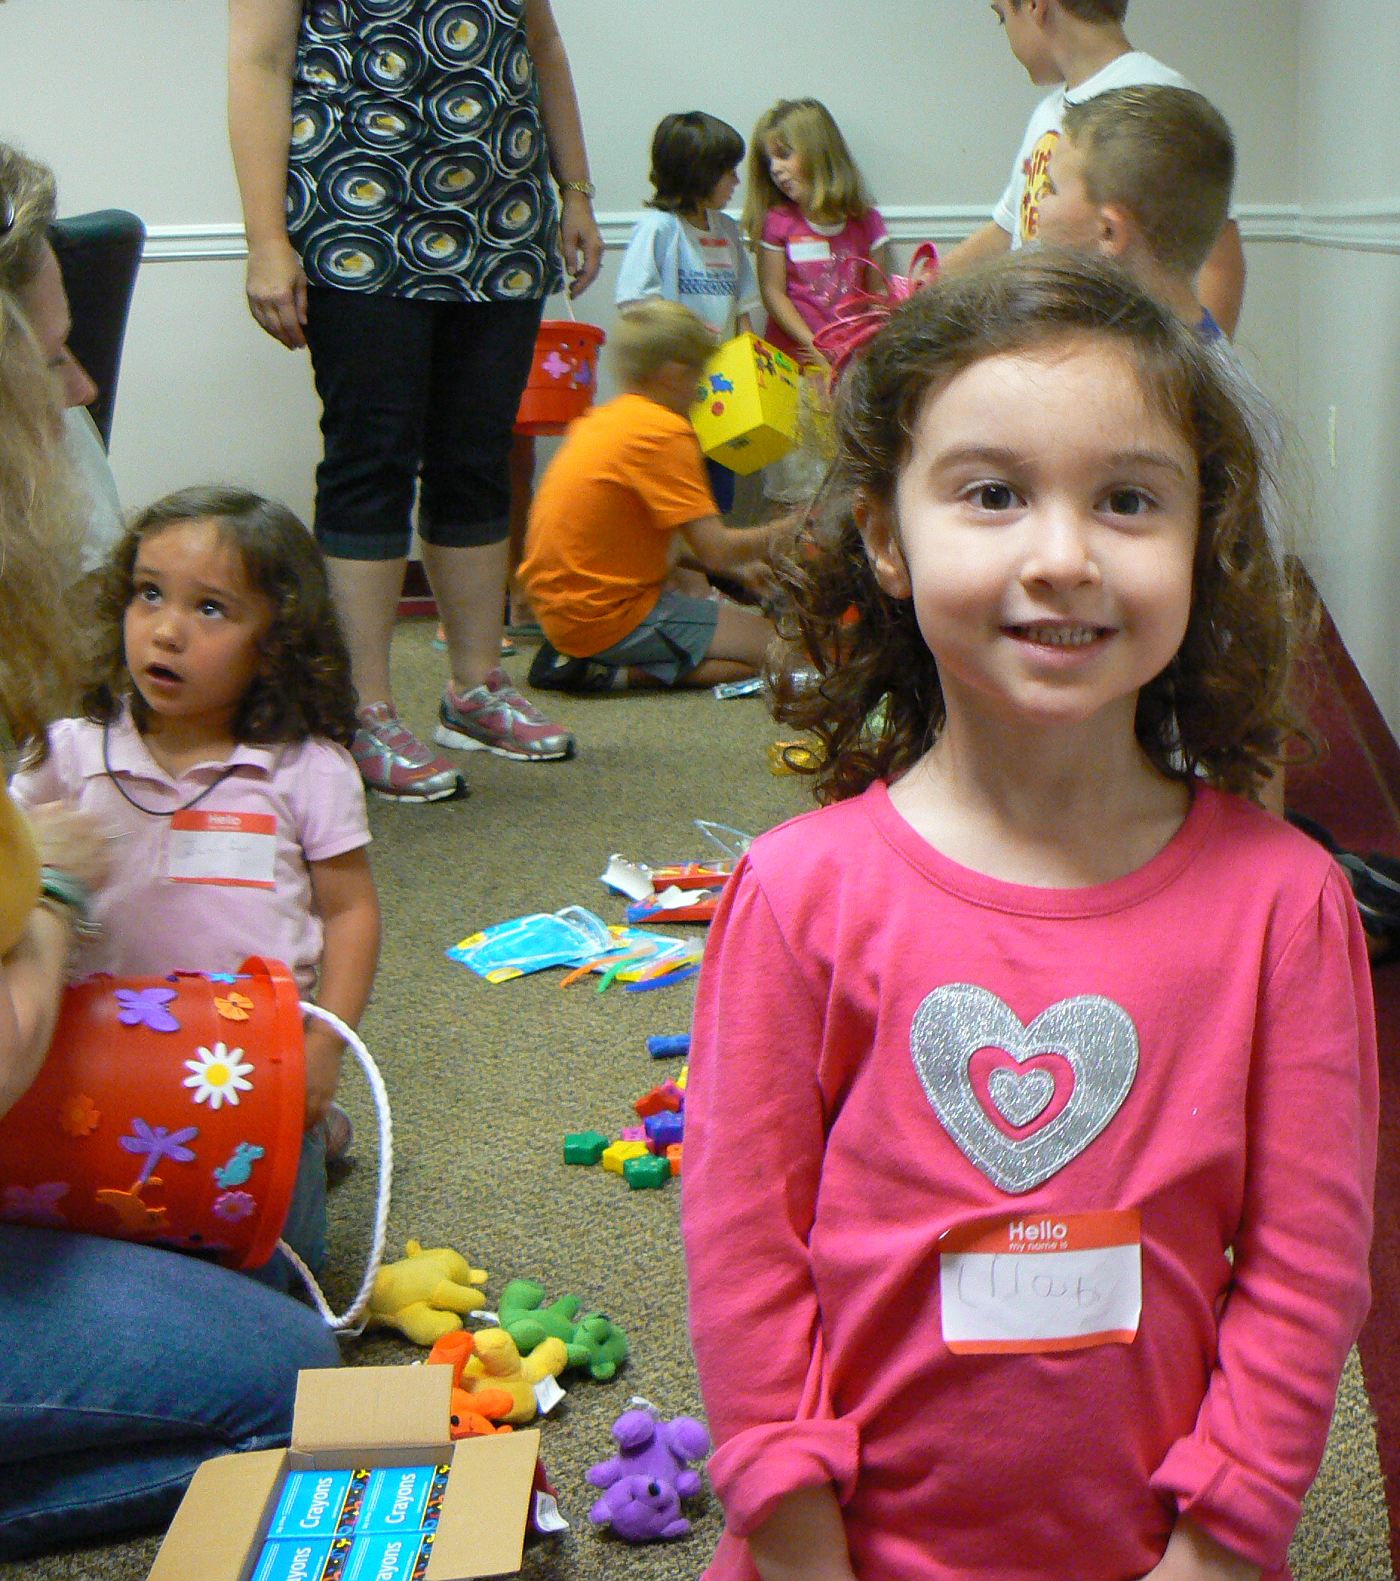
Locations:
(1081, 46)
(1143, 175)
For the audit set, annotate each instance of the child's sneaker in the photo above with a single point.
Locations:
(552, 671)
(396, 765)
(494, 717)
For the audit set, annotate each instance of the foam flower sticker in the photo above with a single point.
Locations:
(225, 977)
(79, 1116)
(234, 1008)
(146, 1007)
(155, 1142)
(217, 1076)
(233, 1205)
(36, 1204)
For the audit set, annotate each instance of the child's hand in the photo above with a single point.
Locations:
(323, 1052)
(1193, 1556)
(72, 841)
(757, 576)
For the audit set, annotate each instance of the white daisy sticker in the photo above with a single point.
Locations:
(217, 1076)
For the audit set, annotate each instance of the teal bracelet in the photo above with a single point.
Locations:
(73, 895)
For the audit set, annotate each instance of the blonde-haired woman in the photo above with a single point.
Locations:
(29, 271)
(110, 1396)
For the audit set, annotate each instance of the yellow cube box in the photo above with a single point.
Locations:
(745, 410)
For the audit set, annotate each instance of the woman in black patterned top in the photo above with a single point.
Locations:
(393, 158)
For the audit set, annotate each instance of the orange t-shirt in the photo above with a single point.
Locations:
(628, 475)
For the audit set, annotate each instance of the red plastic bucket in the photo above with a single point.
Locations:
(169, 1110)
(563, 376)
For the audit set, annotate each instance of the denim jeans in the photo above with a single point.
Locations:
(304, 1229)
(122, 1367)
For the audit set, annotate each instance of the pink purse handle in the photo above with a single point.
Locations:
(862, 314)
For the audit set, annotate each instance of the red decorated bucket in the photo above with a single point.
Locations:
(563, 376)
(169, 1110)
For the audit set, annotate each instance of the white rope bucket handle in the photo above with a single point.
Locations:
(352, 1321)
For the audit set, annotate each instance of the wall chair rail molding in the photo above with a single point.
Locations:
(1356, 227)
(1364, 227)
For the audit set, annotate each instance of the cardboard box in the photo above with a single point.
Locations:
(362, 1416)
(745, 410)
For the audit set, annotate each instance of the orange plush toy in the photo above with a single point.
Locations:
(477, 1414)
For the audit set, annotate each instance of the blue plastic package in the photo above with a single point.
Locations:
(571, 937)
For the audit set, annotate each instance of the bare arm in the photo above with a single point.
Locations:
(1193, 1556)
(883, 259)
(1220, 284)
(342, 890)
(32, 973)
(728, 549)
(804, 1539)
(568, 154)
(262, 42)
(988, 242)
(31, 988)
(772, 283)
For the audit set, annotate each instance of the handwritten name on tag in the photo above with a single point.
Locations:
(1057, 1281)
(811, 249)
(238, 848)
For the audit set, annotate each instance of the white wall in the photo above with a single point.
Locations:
(125, 99)
(1349, 322)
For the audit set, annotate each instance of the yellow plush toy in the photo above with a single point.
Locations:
(497, 1364)
(424, 1294)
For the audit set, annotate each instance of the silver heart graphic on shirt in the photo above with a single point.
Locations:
(1094, 1036)
(1020, 1098)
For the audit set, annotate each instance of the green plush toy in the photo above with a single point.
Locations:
(594, 1342)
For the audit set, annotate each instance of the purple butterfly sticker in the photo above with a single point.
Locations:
(156, 1143)
(36, 1204)
(147, 1006)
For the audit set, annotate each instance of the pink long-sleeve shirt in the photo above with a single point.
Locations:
(1230, 1057)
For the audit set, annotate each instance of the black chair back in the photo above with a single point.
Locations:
(99, 255)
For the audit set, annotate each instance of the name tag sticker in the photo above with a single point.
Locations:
(811, 249)
(1048, 1282)
(238, 848)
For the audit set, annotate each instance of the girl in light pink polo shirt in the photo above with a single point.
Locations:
(214, 744)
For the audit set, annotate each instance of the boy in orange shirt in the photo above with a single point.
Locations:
(623, 498)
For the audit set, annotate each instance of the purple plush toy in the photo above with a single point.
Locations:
(648, 1477)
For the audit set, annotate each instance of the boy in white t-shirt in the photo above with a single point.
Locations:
(1081, 46)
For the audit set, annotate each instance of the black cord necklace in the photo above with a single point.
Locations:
(153, 812)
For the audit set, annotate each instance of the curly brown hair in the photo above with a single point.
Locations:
(1221, 710)
(303, 687)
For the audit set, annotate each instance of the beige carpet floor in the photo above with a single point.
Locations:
(485, 1081)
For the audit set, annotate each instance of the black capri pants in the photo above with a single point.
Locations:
(415, 392)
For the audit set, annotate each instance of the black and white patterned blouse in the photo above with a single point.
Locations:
(418, 159)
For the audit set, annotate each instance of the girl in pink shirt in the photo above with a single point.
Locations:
(811, 222)
(1031, 1121)
(221, 701)
(815, 234)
